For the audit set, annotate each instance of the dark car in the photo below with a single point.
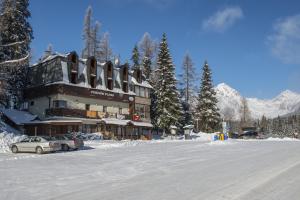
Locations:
(249, 135)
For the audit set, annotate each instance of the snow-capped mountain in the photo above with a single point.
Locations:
(230, 102)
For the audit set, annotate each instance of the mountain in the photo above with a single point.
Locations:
(230, 102)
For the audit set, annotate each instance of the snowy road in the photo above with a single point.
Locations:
(143, 170)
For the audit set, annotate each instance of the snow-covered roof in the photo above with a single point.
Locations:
(142, 124)
(18, 117)
(53, 121)
(61, 74)
(114, 121)
(143, 84)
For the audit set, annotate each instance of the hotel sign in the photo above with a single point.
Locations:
(76, 91)
(102, 93)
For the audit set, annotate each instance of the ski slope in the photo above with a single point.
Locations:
(157, 170)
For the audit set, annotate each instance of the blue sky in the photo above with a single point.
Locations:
(253, 46)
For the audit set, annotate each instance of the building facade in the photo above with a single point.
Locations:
(72, 94)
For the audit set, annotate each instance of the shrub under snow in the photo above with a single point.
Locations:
(8, 138)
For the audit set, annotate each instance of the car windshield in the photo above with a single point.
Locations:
(48, 138)
(25, 140)
(60, 137)
(70, 137)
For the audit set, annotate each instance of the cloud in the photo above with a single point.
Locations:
(223, 19)
(285, 39)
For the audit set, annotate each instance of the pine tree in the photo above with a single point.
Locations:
(187, 87)
(147, 67)
(135, 58)
(207, 113)
(16, 35)
(105, 51)
(168, 103)
(87, 33)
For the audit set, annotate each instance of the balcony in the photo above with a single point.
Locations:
(69, 112)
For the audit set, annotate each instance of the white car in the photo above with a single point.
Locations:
(37, 144)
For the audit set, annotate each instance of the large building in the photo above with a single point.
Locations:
(72, 94)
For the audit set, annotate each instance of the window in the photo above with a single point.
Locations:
(137, 90)
(146, 92)
(120, 111)
(32, 103)
(139, 76)
(73, 58)
(110, 84)
(93, 71)
(87, 106)
(104, 109)
(73, 61)
(93, 81)
(59, 104)
(73, 77)
(140, 110)
(142, 92)
(26, 140)
(125, 87)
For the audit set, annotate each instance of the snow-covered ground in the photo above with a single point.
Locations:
(165, 169)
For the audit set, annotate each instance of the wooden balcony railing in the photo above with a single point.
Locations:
(70, 112)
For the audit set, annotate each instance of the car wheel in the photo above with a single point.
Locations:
(14, 149)
(65, 147)
(39, 150)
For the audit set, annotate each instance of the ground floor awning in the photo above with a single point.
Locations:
(55, 122)
(142, 124)
(113, 121)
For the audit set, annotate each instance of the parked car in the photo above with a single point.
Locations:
(77, 140)
(68, 142)
(248, 135)
(37, 144)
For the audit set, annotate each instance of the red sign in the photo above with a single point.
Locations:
(136, 118)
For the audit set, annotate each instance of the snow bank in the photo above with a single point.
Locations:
(282, 139)
(109, 144)
(8, 138)
(201, 136)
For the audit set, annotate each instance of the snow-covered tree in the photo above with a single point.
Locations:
(228, 114)
(245, 113)
(87, 33)
(263, 125)
(147, 48)
(169, 109)
(105, 51)
(16, 35)
(135, 58)
(207, 113)
(48, 51)
(96, 40)
(187, 81)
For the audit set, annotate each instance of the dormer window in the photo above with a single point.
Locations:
(138, 75)
(73, 67)
(92, 64)
(125, 79)
(109, 80)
